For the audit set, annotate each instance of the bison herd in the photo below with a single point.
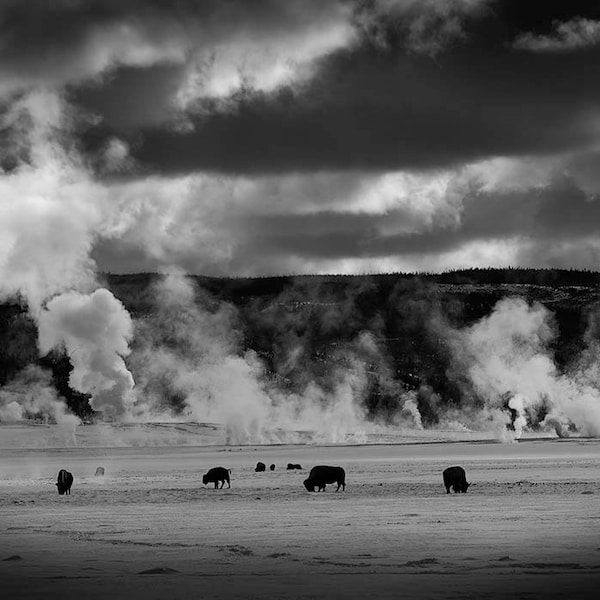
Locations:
(454, 478)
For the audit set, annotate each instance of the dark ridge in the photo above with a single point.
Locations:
(325, 315)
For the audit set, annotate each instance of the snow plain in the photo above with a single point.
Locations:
(528, 528)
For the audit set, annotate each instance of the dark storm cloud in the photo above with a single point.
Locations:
(378, 104)
(558, 213)
(417, 84)
(122, 96)
(552, 224)
(252, 137)
(72, 41)
(383, 113)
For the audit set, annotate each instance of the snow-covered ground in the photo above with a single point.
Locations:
(529, 526)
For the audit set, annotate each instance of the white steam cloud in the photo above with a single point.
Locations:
(189, 363)
(50, 214)
(189, 359)
(30, 396)
(510, 368)
(95, 330)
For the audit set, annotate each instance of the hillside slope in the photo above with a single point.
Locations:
(397, 342)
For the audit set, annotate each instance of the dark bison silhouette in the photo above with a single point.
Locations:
(216, 475)
(321, 475)
(272, 467)
(99, 472)
(64, 482)
(292, 466)
(260, 467)
(455, 478)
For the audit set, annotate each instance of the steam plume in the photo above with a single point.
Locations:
(30, 395)
(510, 367)
(50, 213)
(190, 353)
(95, 330)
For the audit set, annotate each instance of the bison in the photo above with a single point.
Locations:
(64, 482)
(260, 467)
(272, 467)
(455, 478)
(292, 466)
(321, 475)
(99, 472)
(216, 475)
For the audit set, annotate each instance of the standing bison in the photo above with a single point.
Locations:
(321, 475)
(272, 467)
(293, 466)
(64, 482)
(260, 467)
(455, 478)
(216, 475)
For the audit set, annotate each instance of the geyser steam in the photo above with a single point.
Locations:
(510, 368)
(95, 330)
(51, 211)
(30, 395)
(189, 362)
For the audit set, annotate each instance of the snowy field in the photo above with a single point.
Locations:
(528, 528)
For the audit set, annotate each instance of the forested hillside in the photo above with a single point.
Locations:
(402, 329)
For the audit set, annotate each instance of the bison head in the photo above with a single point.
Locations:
(61, 489)
(204, 479)
(309, 485)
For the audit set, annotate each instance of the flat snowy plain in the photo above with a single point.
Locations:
(528, 528)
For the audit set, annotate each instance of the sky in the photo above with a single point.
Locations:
(267, 137)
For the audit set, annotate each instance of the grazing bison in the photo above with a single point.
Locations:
(99, 472)
(321, 475)
(455, 478)
(272, 467)
(260, 467)
(64, 482)
(292, 466)
(215, 475)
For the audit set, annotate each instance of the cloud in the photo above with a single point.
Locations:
(219, 47)
(50, 214)
(366, 155)
(425, 26)
(497, 212)
(384, 112)
(577, 34)
(278, 87)
(48, 209)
